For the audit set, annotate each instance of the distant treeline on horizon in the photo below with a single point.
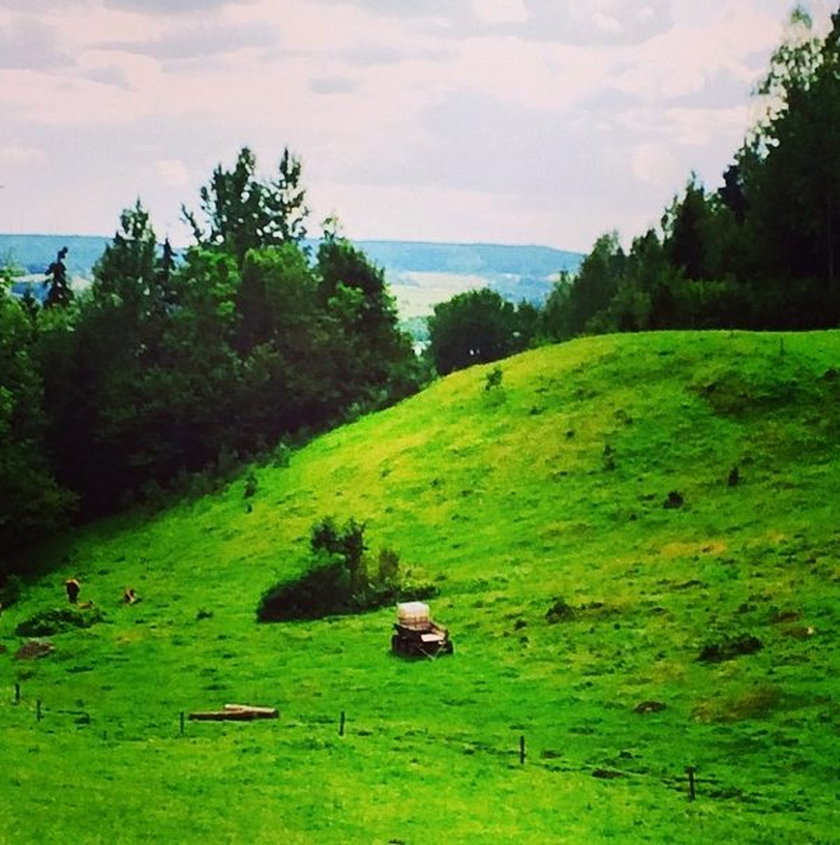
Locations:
(33, 253)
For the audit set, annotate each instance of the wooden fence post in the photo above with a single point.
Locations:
(341, 722)
(17, 693)
(691, 789)
(522, 750)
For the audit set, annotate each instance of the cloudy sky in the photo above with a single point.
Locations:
(508, 121)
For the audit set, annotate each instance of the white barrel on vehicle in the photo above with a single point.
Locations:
(414, 615)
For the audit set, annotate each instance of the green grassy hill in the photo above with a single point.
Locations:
(546, 492)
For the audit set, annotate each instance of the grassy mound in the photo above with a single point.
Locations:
(578, 589)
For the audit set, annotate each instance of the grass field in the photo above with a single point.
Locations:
(547, 491)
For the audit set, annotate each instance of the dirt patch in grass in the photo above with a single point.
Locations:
(679, 549)
(34, 649)
(758, 702)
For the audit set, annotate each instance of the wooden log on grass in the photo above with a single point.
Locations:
(262, 712)
(235, 713)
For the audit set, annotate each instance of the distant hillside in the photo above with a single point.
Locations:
(423, 274)
(34, 253)
(420, 274)
(422, 256)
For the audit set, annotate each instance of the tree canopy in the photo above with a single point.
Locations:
(476, 327)
(169, 364)
(762, 250)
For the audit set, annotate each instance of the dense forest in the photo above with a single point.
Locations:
(759, 252)
(171, 369)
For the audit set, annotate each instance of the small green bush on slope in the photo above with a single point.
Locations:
(506, 506)
(51, 621)
(339, 581)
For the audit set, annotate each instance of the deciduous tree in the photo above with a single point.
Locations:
(242, 211)
(471, 328)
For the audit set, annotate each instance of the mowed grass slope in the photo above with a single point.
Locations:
(549, 488)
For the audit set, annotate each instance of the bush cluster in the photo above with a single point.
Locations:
(342, 578)
(45, 623)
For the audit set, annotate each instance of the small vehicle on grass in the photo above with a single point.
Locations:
(417, 635)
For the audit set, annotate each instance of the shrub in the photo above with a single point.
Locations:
(560, 611)
(674, 500)
(493, 379)
(339, 580)
(45, 623)
(322, 591)
(282, 455)
(251, 485)
(347, 542)
(729, 648)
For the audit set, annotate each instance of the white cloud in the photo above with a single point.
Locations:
(518, 120)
